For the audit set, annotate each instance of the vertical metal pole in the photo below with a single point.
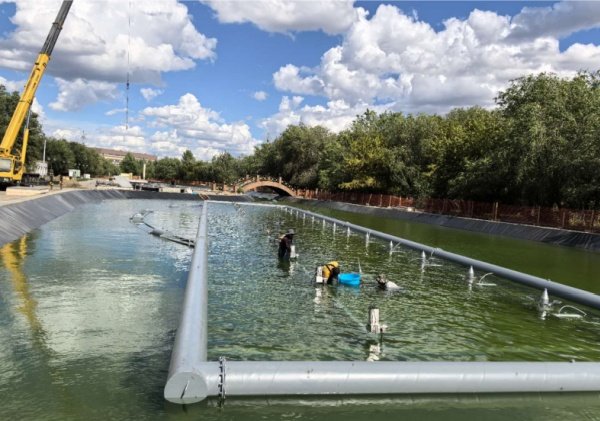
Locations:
(44, 151)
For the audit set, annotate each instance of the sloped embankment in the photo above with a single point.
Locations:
(583, 240)
(17, 219)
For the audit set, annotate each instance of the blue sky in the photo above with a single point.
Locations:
(216, 76)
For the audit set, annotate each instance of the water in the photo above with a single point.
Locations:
(571, 266)
(89, 305)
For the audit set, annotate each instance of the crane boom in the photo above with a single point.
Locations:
(12, 165)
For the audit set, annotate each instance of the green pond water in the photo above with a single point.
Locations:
(90, 303)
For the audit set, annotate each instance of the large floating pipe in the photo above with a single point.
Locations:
(185, 383)
(554, 288)
(326, 378)
(192, 379)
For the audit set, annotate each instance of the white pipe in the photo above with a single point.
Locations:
(190, 348)
(318, 378)
(564, 291)
(192, 379)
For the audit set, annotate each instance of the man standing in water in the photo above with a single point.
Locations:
(285, 245)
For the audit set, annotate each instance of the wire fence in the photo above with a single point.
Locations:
(555, 217)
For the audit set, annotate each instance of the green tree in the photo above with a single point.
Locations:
(330, 167)
(267, 161)
(300, 149)
(86, 159)
(224, 168)
(202, 171)
(469, 164)
(187, 167)
(409, 141)
(167, 168)
(366, 158)
(130, 165)
(8, 103)
(106, 167)
(295, 155)
(553, 134)
(60, 157)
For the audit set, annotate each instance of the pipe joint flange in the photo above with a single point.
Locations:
(222, 361)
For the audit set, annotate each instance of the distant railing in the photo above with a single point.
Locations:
(555, 217)
(232, 188)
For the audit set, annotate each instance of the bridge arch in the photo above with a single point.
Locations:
(278, 187)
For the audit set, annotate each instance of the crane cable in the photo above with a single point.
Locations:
(128, 62)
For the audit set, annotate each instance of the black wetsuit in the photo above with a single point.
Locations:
(285, 247)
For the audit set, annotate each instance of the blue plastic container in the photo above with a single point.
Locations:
(352, 278)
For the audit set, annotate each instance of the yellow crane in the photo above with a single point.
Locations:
(12, 163)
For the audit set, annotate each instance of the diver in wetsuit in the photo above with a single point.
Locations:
(285, 245)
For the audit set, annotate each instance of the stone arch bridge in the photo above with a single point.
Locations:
(254, 183)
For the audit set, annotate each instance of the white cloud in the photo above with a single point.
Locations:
(72, 135)
(188, 125)
(260, 95)
(298, 80)
(168, 143)
(169, 131)
(17, 86)
(115, 111)
(394, 61)
(13, 85)
(130, 139)
(37, 108)
(149, 94)
(335, 115)
(76, 94)
(94, 44)
(284, 16)
(560, 19)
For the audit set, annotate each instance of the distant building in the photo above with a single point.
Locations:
(74, 173)
(116, 156)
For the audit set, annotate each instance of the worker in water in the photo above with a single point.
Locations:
(386, 284)
(285, 245)
(330, 272)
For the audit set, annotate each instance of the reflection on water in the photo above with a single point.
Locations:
(13, 259)
(88, 310)
(89, 305)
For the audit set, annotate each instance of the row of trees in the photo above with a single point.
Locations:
(539, 146)
(61, 155)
